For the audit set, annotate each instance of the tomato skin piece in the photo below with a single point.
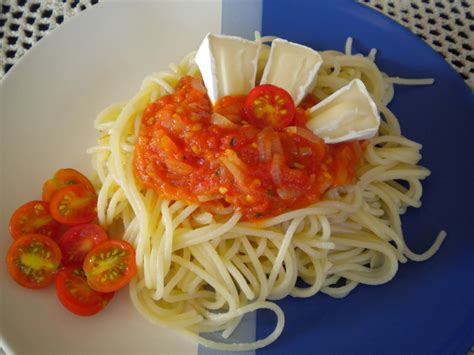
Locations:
(73, 205)
(32, 260)
(33, 218)
(269, 106)
(77, 241)
(75, 294)
(110, 265)
(63, 178)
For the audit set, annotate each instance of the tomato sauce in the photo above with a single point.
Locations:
(188, 150)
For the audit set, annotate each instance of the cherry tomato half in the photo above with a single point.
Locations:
(73, 204)
(32, 260)
(33, 218)
(77, 241)
(63, 178)
(110, 265)
(269, 106)
(76, 295)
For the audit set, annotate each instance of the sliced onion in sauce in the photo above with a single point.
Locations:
(232, 112)
(304, 133)
(288, 194)
(276, 172)
(205, 198)
(222, 121)
(234, 158)
(234, 170)
(199, 86)
(231, 163)
(178, 167)
(264, 145)
(198, 107)
(276, 144)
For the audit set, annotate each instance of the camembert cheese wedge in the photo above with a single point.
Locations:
(347, 114)
(292, 67)
(228, 65)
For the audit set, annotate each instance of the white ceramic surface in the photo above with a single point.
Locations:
(48, 102)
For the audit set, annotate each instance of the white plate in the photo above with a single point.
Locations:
(48, 103)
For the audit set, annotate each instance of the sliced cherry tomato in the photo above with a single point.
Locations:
(73, 205)
(110, 265)
(269, 106)
(76, 242)
(32, 260)
(63, 178)
(76, 295)
(33, 217)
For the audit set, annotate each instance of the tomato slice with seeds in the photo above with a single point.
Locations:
(33, 218)
(73, 204)
(32, 260)
(76, 295)
(269, 106)
(63, 178)
(77, 241)
(110, 265)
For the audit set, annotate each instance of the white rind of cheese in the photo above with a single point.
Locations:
(347, 114)
(228, 65)
(292, 67)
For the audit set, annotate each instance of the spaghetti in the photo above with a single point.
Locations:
(202, 271)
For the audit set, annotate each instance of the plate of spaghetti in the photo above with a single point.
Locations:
(285, 178)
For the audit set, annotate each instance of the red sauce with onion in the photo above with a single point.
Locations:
(185, 151)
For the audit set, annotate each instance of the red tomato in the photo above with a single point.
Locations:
(76, 295)
(269, 106)
(63, 178)
(110, 265)
(78, 241)
(73, 204)
(32, 260)
(33, 217)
